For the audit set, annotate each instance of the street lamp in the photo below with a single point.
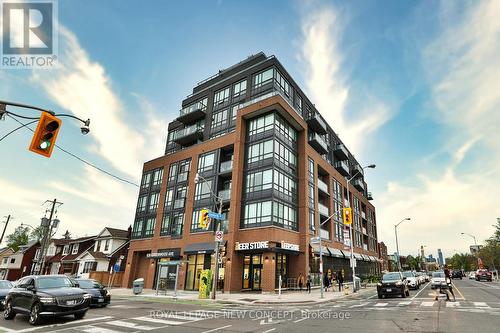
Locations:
(371, 166)
(218, 201)
(474, 237)
(397, 245)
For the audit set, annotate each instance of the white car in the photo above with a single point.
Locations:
(438, 279)
(421, 277)
(413, 282)
(472, 275)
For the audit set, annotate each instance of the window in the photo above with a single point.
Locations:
(137, 229)
(285, 184)
(310, 170)
(234, 112)
(98, 246)
(153, 202)
(37, 254)
(261, 124)
(283, 84)
(221, 97)
(157, 176)
(195, 222)
(311, 196)
(12, 260)
(257, 214)
(146, 180)
(169, 198)
(165, 225)
(89, 266)
(219, 119)
(65, 249)
(180, 196)
(206, 162)
(298, 103)
(285, 155)
(106, 245)
(259, 181)
(203, 190)
(312, 220)
(284, 215)
(4, 260)
(285, 129)
(240, 89)
(172, 174)
(179, 172)
(177, 224)
(262, 78)
(141, 204)
(75, 249)
(260, 151)
(150, 227)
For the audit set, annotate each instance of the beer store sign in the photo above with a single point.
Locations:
(289, 246)
(251, 246)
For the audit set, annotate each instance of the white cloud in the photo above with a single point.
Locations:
(463, 68)
(327, 83)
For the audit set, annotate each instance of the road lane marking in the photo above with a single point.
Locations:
(299, 320)
(454, 286)
(358, 305)
(73, 322)
(404, 303)
(122, 323)
(381, 304)
(218, 328)
(94, 329)
(427, 304)
(161, 321)
(481, 305)
(487, 285)
(272, 329)
(420, 291)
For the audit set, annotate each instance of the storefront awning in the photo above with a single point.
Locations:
(358, 256)
(200, 248)
(335, 252)
(373, 259)
(324, 249)
(347, 254)
(365, 257)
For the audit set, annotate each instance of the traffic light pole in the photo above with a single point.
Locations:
(217, 245)
(4, 228)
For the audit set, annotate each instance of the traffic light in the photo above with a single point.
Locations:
(204, 218)
(347, 215)
(45, 136)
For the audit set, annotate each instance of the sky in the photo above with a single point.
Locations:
(412, 86)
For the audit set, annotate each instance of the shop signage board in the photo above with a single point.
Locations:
(251, 246)
(289, 246)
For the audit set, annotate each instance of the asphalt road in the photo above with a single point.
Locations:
(477, 308)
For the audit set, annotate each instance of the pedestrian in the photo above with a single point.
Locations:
(326, 282)
(301, 281)
(308, 283)
(447, 275)
(340, 280)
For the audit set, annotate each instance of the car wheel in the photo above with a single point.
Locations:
(35, 318)
(79, 315)
(8, 313)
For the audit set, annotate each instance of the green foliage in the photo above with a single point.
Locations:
(36, 234)
(490, 253)
(464, 261)
(19, 237)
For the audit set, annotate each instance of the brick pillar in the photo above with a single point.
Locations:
(268, 272)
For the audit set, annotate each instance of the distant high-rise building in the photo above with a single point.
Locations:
(440, 257)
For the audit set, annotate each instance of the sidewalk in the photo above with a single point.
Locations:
(247, 298)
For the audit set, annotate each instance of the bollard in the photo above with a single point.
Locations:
(346, 290)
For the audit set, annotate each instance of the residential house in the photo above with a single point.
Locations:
(71, 251)
(21, 263)
(4, 259)
(54, 255)
(109, 245)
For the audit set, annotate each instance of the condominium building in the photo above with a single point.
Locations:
(279, 170)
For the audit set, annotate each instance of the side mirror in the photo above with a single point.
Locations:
(404, 278)
(30, 288)
(77, 285)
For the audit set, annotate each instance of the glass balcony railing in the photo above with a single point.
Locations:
(199, 106)
(226, 166)
(323, 209)
(322, 186)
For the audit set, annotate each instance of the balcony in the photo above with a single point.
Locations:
(188, 135)
(226, 166)
(342, 167)
(322, 186)
(363, 215)
(225, 195)
(357, 169)
(323, 210)
(317, 142)
(317, 124)
(324, 234)
(369, 196)
(341, 152)
(359, 185)
(193, 112)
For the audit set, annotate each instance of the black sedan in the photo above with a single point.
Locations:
(42, 296)
(100, 295)
(4, 289)
(393, 283)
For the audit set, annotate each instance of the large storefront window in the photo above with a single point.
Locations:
(196, 263)
(281, 269)
(252, 272)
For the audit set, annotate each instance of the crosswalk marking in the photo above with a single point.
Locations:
(126, 324)
(452, 304)
(359, 305)
(427, 303)
(404, 303)
(481, 305)
(93, 329)
(381, 304)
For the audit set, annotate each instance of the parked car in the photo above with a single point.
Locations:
(42, 296)
(412, 280)
(484, 274)
(421, 277)
(438, 279)
(100, 295)
(427, 276)
(4, 289)
(472, 275)
(456, 274)
(393, 283)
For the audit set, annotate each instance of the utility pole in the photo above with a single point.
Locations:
(5, 228)
(47, 234)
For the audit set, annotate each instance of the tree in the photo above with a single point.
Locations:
(37, 234)
(19, 237)
(490, 252)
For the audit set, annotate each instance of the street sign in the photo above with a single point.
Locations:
(117, 268)
(216, 216)
(353, 262)
(219, 236)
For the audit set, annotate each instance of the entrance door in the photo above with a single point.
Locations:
(252, 272)
(256, 277)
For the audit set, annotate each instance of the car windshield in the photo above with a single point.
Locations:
(5, 285)
(408, 274)
(391, 276)
(54, 282)
(88, 284)
(438, 275)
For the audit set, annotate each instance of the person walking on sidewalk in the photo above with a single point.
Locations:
(308, 283)
(301, 281)
(340, 279)
(326, 282)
